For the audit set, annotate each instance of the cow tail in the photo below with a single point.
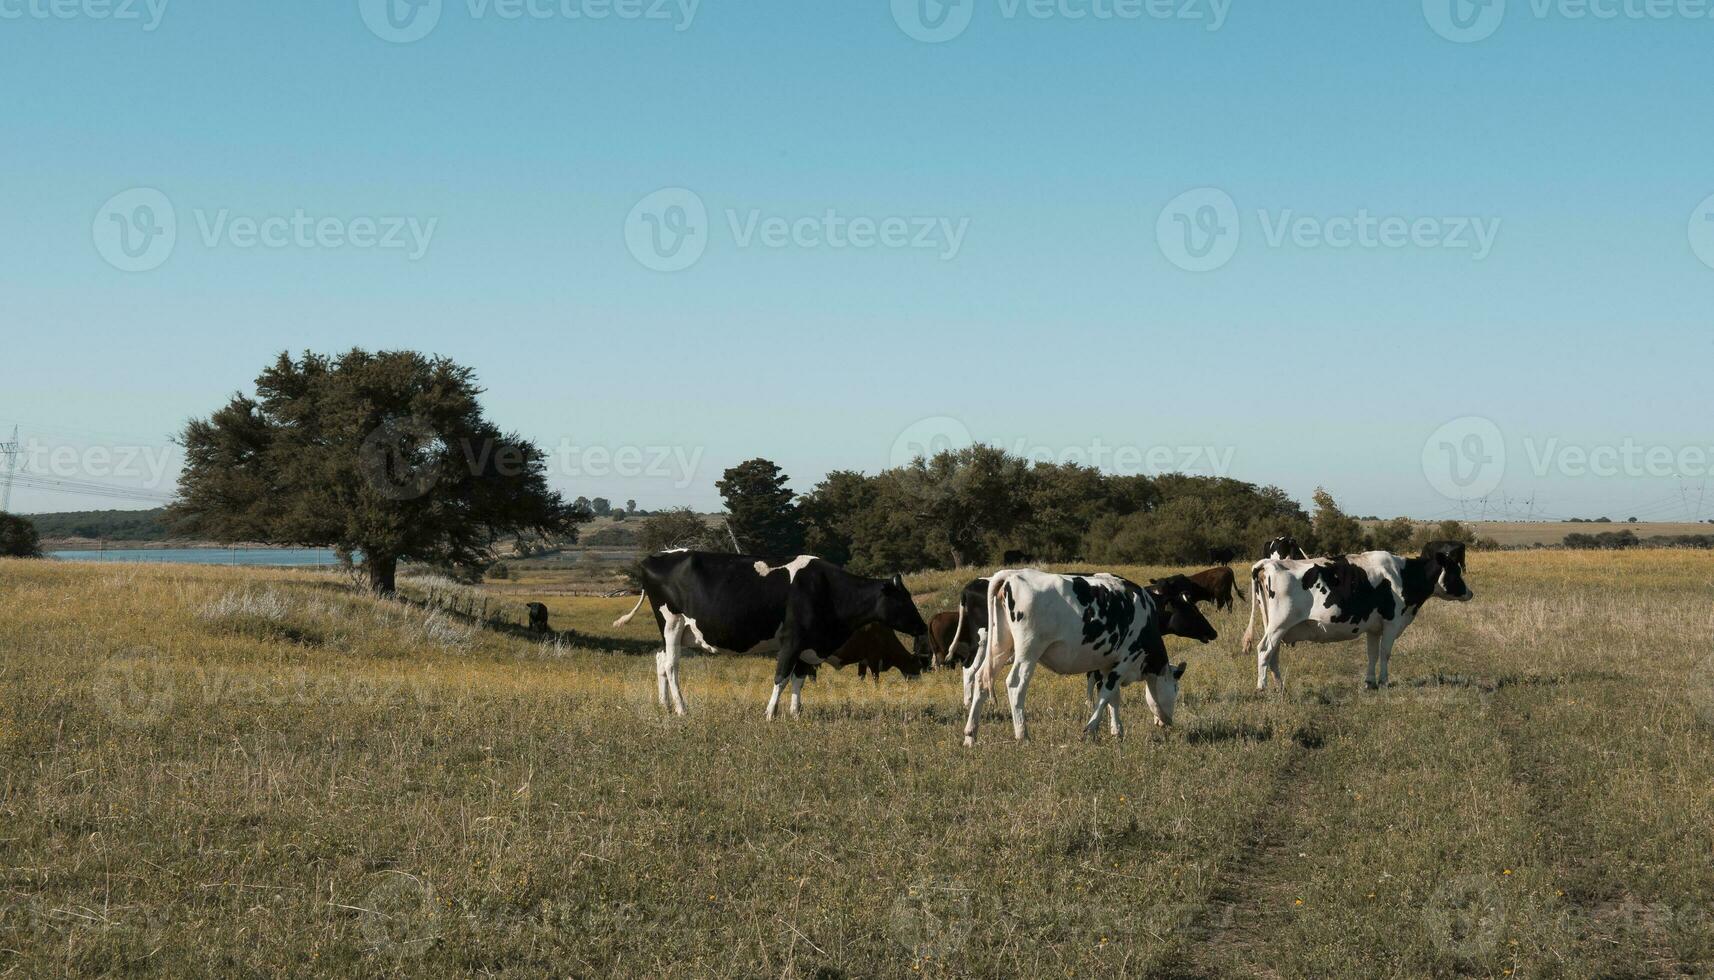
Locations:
(956, 633)
(622, 620)
(1255, 603)
(999, 632)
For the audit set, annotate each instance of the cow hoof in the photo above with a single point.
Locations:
(1371, 686)
(969, 741)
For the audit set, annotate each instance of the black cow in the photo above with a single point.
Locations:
(538, 617)
(804, 610)
(1222, 556)
(1284, 546)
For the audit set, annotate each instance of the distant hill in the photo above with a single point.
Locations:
(113, 525)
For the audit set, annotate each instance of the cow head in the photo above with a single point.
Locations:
(1175, 609)
(895, 607)
(1446, 568)
(1161, 691)
(1284, 546)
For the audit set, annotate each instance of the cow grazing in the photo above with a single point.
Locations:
(803, 610)
(538, 617)
(1284, 546)
(937, 642)
(1222, 556)
(1215, 585)
(1376, 594)
(876, 649)
(1099, 625)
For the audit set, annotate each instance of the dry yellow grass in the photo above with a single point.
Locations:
(247, 772)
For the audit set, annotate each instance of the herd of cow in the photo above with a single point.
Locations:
(810, 612)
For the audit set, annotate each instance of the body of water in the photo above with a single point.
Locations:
(207, 556)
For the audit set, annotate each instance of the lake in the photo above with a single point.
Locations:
(207, 556)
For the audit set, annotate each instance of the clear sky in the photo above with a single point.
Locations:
(1429, 254)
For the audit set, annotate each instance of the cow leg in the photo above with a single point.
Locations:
(1268, 661)
(1113, 722)
(1092, 679)
(1386, 644)
(782, 676)
(661, 678)
(672, 631)
(1374, 657)
(797, 695)
(970, 684)
(1109, 687)
(1017, 685)
(978, 698)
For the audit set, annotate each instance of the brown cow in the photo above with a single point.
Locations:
(937, 642)
(876, 649)
(1215, 585)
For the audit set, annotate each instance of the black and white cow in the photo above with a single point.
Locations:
(1100, 625)
(965, 647)
(1284, 546)
(804, 610)
(1376, 594)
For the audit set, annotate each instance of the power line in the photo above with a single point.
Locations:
(10, 451)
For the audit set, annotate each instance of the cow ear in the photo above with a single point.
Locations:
(1178, 671)
(899, 580)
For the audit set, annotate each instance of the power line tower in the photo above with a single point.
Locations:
(8, 466)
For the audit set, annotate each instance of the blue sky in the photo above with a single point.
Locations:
(528, 154)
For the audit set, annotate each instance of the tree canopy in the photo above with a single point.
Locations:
(385, 457)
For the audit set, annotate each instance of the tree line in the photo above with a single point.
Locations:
(974, 506)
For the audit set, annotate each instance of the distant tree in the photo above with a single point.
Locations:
(386, 456)
(1336, 533)
(583, 503)
(601, 507)
(1394, 535)
(630, 506)
(678, 527)
(761, 508)
(1630, 520)
(18, 538)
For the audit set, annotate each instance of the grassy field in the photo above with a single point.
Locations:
(258, 773)
(1527, 533)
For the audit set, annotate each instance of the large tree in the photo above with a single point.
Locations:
(18, 538)
(760, 506)
(386, 456)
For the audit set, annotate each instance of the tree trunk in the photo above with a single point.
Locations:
(383, 570)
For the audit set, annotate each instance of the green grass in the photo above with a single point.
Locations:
(258, 773)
